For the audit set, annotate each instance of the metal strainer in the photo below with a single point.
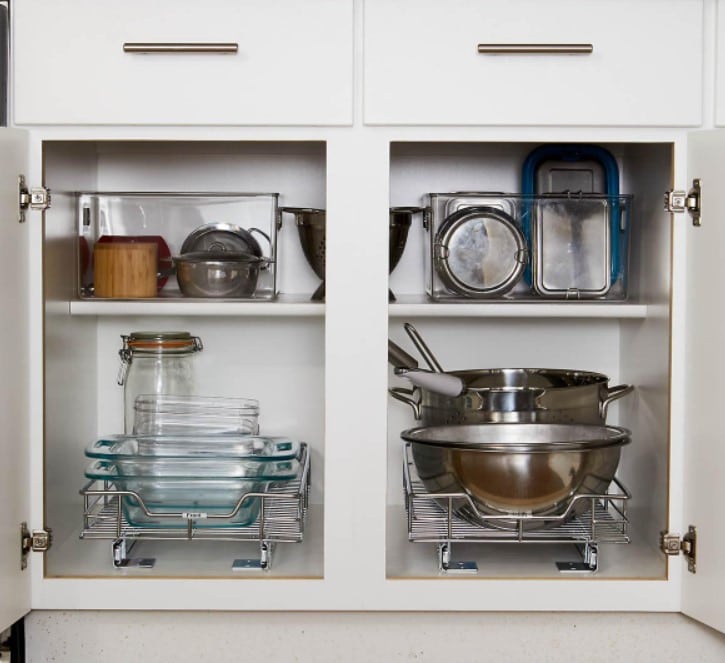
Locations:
(311, 229)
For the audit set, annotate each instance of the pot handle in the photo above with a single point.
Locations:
(405, 395)
(613, 394)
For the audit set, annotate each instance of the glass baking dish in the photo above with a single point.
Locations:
(194, 447)
(128, 468)
(212, 494)
(168, 414)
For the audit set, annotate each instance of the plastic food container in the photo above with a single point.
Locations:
(168, 414)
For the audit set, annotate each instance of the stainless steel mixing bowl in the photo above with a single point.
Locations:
(517, 469)
(218, 274)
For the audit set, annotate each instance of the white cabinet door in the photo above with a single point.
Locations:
(704, 484)
(14, 395)
(292, 64)
(422, 64)
(720, 65)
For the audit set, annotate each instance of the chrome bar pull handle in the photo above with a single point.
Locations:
(149, 48)
(536, 49)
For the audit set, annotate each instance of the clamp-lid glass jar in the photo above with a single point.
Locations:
(156, 363)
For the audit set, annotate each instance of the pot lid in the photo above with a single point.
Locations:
(225, 257)
(479, 251)
(220, 237)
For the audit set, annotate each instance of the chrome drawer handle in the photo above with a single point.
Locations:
(180, 47)
(536, 49)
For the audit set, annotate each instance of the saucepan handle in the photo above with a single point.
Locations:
(407, 396)
(613, 394)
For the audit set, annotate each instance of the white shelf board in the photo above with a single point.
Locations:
(420, 306)
(284, 305)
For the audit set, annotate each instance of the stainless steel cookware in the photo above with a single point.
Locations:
(218, 274)
(479, 252)
(400, 221)
(516, 395)
(517, 469)
(311, 227)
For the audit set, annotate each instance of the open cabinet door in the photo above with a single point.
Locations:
(14, 379)
(704, 590)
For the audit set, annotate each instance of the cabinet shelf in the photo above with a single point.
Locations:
(284, 305)
(420, 306)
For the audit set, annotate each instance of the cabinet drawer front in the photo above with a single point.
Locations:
(422, 64)
(291, 62)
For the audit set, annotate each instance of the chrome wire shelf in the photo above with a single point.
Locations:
(281, 519)
(433, 518)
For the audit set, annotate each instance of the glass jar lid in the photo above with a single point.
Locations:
(164, 342)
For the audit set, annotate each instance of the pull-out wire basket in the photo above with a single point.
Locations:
(281, 519)
(432, 518)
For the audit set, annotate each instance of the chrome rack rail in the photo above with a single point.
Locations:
(433, 518)
(281, 519)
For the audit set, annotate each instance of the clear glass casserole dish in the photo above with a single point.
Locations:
(126, 468)
(210, 501)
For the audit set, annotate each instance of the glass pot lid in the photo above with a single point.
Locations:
(479, 251)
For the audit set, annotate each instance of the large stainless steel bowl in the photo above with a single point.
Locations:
(517, 469)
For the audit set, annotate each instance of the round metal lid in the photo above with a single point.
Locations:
(479, 251)
(221, 237)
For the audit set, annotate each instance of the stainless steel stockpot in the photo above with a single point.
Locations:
(517, 395)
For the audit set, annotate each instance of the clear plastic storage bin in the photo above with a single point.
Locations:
(509, 246)
(172, 224)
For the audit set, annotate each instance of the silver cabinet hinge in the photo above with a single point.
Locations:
(37, 198)
(38, 541)
(678, 202)
(672, 544)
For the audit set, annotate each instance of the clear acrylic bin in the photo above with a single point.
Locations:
(178, 223)
(484, 245)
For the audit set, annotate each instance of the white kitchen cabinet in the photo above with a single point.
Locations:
(266, 63)
(423, 65)
(322, 368)
(719, 65)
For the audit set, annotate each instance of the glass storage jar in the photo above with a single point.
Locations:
(156, 363)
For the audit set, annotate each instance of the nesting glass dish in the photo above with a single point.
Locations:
(171, 414)
(166, 480)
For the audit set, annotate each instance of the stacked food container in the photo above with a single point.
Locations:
(192, 467)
